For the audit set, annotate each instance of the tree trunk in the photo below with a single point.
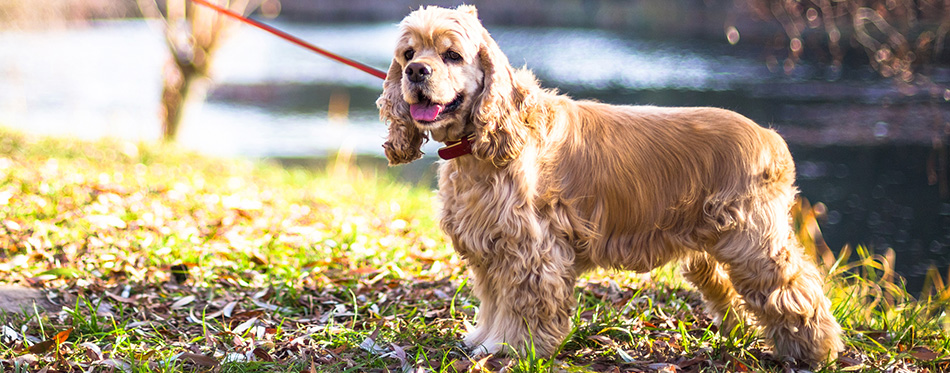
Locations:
(183, 85)
(193, 34)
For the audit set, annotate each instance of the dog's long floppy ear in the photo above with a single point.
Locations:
(500, 133)
(404, 142)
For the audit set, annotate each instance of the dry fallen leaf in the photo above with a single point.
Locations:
(197, 359)
(663, 367)
(62, 336)
(25, 360)
(258, 259)
(462, 365)
(93, 352)
(262, 355)
(691, 362)
(738, 366)
(481, 365)
(602, 340)
(924, 354)
(229, 309)
(181, 303)
(120, 298)
(848, 362)
(369, 344)
(113, 363)
(42, 347)
(266, 306)
(625, 356)
(244, 326)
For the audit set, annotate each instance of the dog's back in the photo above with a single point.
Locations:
(656, 181)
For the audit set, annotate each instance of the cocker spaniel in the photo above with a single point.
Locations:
(539, 188)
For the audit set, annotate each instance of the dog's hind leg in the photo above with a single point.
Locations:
(779, 284)
(720, 297)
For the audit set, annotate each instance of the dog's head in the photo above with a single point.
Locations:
(448, 80)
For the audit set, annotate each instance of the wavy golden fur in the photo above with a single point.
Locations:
(555, 187)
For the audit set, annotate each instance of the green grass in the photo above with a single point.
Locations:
(168, 261)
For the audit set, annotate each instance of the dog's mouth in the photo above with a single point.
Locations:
(425, 111)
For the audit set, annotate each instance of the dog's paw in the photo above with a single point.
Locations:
(481, 350)
(487, 348)
(481, 342)
(473, 337)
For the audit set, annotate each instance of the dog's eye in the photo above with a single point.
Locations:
(452, 56)
(408, 54)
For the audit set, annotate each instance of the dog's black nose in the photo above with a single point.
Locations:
(418, 72)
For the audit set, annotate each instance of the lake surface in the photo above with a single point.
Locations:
(877, 158)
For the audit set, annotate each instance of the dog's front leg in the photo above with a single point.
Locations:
(526, 292)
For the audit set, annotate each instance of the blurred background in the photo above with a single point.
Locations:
(859, 89)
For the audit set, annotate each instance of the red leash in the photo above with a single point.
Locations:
(293, 39)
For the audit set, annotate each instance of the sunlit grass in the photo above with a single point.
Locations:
(168, 261)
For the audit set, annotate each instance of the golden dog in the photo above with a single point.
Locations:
(540, 188)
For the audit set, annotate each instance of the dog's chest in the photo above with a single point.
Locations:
(481, 207)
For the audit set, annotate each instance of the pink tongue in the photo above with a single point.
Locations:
(424, 112)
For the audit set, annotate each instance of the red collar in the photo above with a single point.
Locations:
(455, 149)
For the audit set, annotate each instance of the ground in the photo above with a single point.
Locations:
(163, 260)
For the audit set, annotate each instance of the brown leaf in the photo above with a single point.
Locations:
(93, 352)
(587, 315)
(198, 359)
(924, 354)
(120, 298)
(848, 362)
(258, 259)
(462, 365)
(42, 347)
(691, 362)
(241, 316)
(602, 340)
(262, 355)
(738, 366)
